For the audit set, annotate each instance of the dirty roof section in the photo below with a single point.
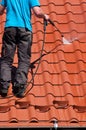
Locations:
(56, 92)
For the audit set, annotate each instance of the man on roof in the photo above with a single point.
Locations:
(17, 34)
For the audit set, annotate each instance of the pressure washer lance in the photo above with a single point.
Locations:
(64, 40)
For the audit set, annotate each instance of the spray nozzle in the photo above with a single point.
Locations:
(65, 41)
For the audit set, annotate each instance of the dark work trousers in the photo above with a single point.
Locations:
(13, 38)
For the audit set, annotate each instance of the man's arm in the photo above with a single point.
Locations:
(2, 8)
(39, 13)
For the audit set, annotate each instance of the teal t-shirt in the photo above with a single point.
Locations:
(19, 12)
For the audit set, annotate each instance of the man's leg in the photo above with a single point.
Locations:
(24, 55)
(8, 50)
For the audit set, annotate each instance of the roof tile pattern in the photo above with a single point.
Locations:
(56, 92)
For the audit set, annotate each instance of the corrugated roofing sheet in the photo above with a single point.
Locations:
(57, 95)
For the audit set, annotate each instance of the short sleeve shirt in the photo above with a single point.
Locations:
(18, 12)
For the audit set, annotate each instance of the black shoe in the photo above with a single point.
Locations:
(3, 94)
(3, 89)
(18, 90)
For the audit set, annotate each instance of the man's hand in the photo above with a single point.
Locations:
(46, 17)
(2, 8)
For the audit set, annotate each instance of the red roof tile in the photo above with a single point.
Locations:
(58, 96)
